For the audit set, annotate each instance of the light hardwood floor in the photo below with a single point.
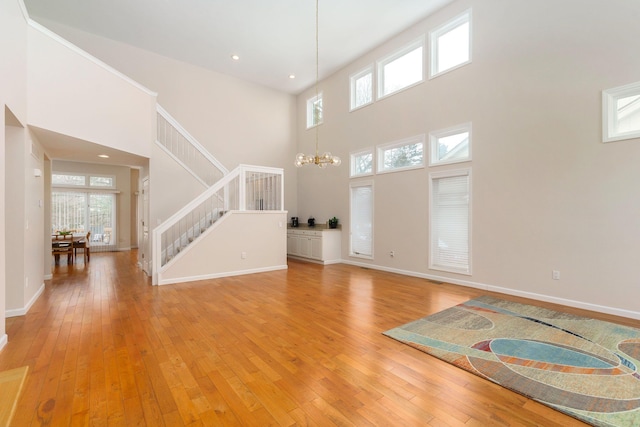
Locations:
(297, 347)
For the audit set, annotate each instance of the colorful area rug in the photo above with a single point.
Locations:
(583, 367)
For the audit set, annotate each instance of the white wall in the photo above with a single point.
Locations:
(262, 237)
(547, 193)
(72, 94)
(13, 83)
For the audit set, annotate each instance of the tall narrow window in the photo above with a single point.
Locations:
(314, 111)
(450, 219)
(361, 237)
(451, 44)
(361, 88)
(401, 69)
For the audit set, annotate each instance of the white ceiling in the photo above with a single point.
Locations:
(274, 38)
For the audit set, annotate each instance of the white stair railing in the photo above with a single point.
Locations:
(246, 188)
(186, 150)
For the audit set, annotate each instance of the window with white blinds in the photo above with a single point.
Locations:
(450, 221)
(361, 237)
(81, 212)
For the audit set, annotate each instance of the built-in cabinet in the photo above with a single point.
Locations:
(317, 245)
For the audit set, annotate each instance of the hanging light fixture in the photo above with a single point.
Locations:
(321, 160)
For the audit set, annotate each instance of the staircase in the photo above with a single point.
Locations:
(245, 189)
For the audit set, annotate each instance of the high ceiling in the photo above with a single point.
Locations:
(273, 38)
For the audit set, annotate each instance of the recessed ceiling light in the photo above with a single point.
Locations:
(104, 156)
(292, 76)
(235, 57)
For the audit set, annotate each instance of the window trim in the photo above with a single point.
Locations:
(380, 149)
(310, 109)
(352, 185)
(355, 154)
(443, 29)
(435, 135)
(609, 112)
(352, 87)
(451, 174)
(381, 63)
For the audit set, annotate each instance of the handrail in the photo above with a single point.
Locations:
(246, 188)
(186, 150)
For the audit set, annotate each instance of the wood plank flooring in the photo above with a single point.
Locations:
(298, 347)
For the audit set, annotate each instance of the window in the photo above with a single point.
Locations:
(102, 181)
(621, 113)
(361, 88)
(361, 237)
(68, 180)
(362, 163)
(449, 221)
(401, 69)
(81, 180)
(451, 44)
(450, 145)
(81, 203)
(81, 212)
(401, 155)
(314, 111)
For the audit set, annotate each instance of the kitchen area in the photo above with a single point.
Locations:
(319, 243)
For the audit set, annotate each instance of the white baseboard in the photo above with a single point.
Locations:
(48, 276)
(531, 295)
(223, 274)
(3, 341)
(22, 311)
(315, 261)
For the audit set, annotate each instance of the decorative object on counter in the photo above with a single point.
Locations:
(311, 221)
(294, 221)
(333, 222)
(326, 159)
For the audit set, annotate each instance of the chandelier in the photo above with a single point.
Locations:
(321, 160)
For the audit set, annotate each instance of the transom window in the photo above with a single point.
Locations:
(402, 69)
(400, 155)
(621, 113)
(451, 44)
(362, 163)
(314, 111)
(83, 180)
(361, 85)
(450, 145)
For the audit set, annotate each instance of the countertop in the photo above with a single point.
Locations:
(317, 227)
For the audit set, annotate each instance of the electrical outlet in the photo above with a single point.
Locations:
(555, 275)
(243, 255)
(392, 254)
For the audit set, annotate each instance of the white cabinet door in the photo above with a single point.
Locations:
(293, 244)
(316, 247)
(304, 246)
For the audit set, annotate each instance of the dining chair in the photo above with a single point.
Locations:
(61, 246)
(84, 245)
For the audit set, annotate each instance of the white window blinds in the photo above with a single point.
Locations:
(362, 219)
(450, 220)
